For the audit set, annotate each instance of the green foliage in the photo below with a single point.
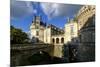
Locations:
(17, 36)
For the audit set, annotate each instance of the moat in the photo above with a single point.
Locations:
(69, 54)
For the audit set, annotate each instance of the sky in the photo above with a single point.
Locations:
(22, 13)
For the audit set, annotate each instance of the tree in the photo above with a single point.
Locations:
(17, 36)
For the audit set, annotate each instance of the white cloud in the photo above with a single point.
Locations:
(56, 10)
(20, 9)
(25, 8)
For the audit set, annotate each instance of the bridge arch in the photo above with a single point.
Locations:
(53, 40)
(62, 40)
(57, 40)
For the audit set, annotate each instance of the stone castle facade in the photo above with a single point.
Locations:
(86, 33)
(40, 32)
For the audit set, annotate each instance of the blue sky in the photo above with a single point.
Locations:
(22, 13)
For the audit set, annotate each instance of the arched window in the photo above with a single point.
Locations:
(53, 40)
(57, 40)
(62, 40)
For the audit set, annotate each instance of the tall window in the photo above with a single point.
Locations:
(57, 40)
(62, 40)
(37, 33)
(53, 40)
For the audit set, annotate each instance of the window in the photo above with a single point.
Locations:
(53, 40)
(37, 33)
(62, 40)
(57, 40)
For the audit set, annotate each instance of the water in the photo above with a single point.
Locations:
(60, 54)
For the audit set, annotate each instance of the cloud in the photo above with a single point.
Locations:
(57, 10)
(19, 9)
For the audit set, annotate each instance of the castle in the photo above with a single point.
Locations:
(81, 30)
(40, 32)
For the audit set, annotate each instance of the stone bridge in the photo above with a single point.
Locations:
(30, 49)
(20, 52)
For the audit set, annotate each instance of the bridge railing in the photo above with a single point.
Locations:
(29, 46)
